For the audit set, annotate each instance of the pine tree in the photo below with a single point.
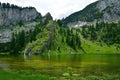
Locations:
(12, 44)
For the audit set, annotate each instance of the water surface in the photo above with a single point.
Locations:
(59, 65)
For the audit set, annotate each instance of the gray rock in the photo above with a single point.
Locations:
(110, 10)
(12, 16)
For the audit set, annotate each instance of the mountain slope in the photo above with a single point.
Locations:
(99, 11)
(14, 18)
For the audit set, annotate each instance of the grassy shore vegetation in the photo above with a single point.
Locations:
(21, 75)
(28, 75)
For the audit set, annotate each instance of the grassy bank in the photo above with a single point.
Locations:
(23, 75)
(99, 48)
(8, 75)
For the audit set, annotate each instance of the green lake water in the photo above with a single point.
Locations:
(61, 65)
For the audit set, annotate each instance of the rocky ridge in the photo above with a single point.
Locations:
(12, 14)
(99, 11)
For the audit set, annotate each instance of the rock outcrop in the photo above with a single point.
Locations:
(11, 14)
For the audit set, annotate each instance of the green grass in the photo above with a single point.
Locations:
(96, 48)
(92, 77)
(26, 75)
(4, 53)
(8, 75)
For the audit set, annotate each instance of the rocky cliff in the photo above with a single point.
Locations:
(102, 10)
(12, 14)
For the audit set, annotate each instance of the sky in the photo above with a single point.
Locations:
(58, 8)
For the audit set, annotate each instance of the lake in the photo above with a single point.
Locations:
(65, 65)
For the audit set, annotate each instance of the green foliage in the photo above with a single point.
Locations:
(73, 39)
(4, 47)
(17, 42)
(23, 75)
(21, 23)
(42, 40)
(22, 38)
(105, 32)
(7, 5)
(55, 38)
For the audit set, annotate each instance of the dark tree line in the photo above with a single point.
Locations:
(73, 39)
(70, 37)
(7, 5)
(22, 38)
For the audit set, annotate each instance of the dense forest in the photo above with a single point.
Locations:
(52, 35)
(108, 33)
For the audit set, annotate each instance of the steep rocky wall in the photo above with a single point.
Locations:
(110, 9)
(13, 15)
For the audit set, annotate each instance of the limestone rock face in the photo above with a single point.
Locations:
(110, 9)
(12, 15)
